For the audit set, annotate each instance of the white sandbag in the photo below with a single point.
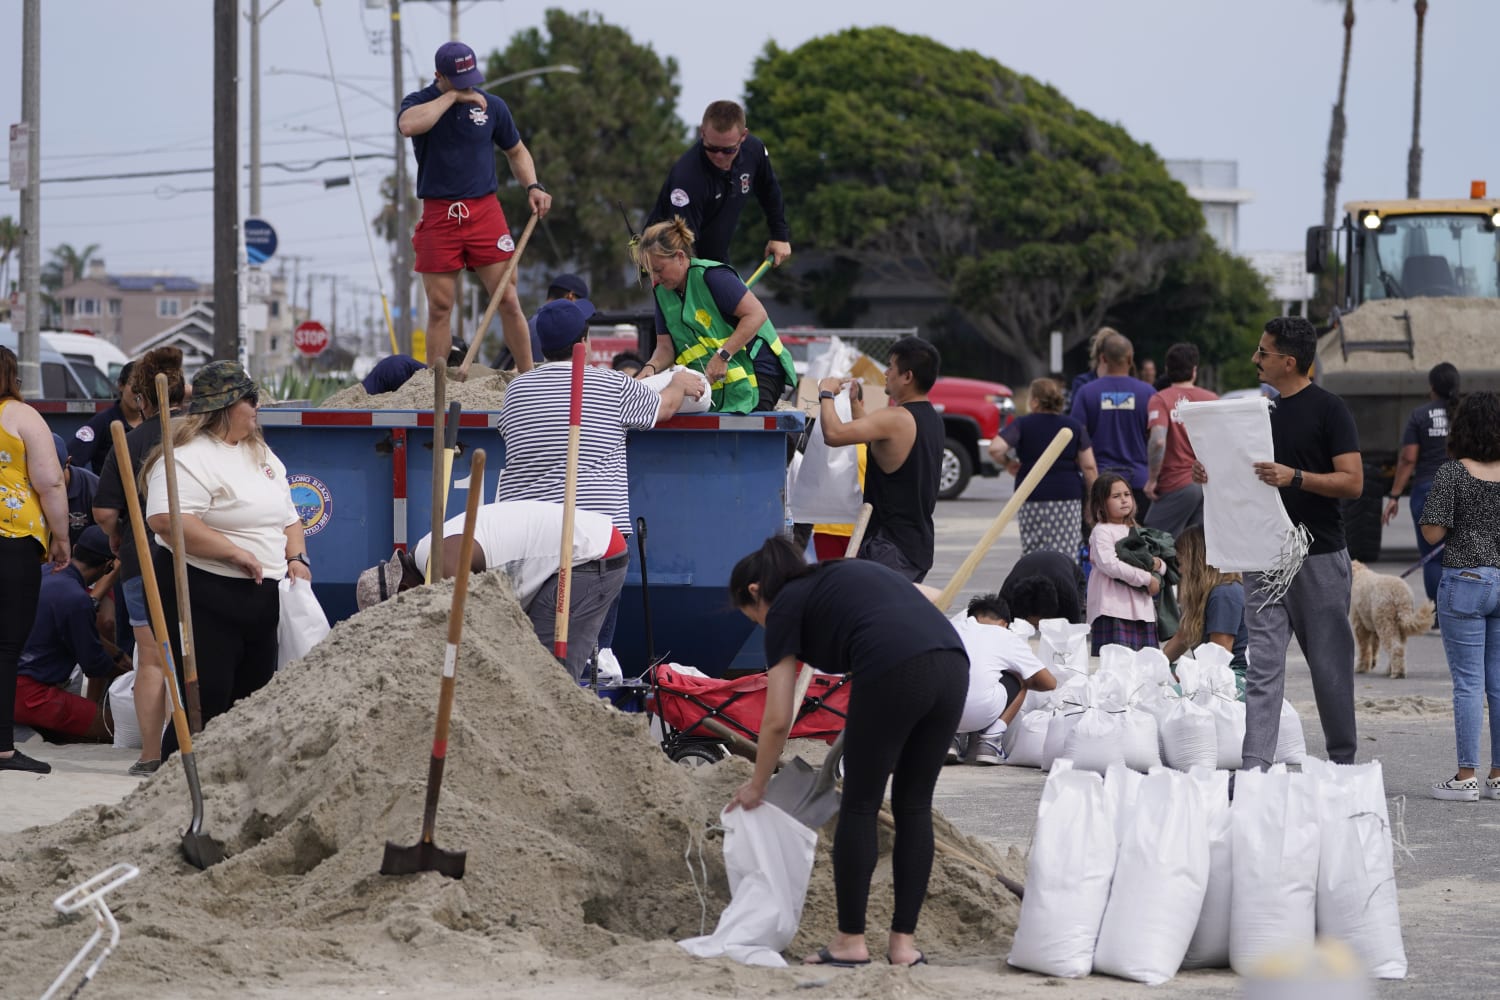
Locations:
(1025, 738)
(1229, 731)
(1152, 665)
(1273, 901)
(1357, 875)
(1063, 645)
(1115, 658)
(1291, 744)
(303, 624)
(1058, 727)
(1121, 785)
(1188, 736)
(768, 857)
(1096, 741)
(1141, 740)
(1067, 876)
(122, 711)
(1161, 875)
(1209, 948)
(656, 383)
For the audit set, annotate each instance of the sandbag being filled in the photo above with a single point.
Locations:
(1273, 901)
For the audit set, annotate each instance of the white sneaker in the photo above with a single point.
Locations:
(1491, 789)
(987, 751)
(1456, 789)
(956, 748)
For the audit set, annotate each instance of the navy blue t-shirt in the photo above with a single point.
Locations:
(1030, 436)
(454, 159)
(854, 616)
(1225, 613)
(1115, 410)
(391, 373)
(1427, 428)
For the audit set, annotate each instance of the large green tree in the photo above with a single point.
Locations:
(602, 137)
(906, 162)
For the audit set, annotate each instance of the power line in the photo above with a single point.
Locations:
(138, 174)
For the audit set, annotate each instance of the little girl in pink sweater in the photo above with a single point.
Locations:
(1120, 605)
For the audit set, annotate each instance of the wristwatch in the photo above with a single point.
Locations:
(536, 186)
(1297, 478)
(1393, 496)
(723, 355)
(300, 557)
(825, 394)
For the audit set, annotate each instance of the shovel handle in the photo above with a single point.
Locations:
(760, 272)
(970, 564)
(434, 567)
(499, 293)
(857, 536)
(179, 561)
(570, 501)
(148, 581)
(450, 655)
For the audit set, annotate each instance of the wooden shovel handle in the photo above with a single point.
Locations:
(179, 561)
(570, 504)
(857, 536)
(500, 287)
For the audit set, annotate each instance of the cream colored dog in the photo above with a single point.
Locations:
(1383, 614)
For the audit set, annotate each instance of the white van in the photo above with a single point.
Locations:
(59, 378)
(87, 349)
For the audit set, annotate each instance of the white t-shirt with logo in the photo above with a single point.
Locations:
(992, 650)
(239, 491)
(523, 539)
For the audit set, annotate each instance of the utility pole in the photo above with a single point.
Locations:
(401, 273)
(453, 20)
(254, 17)
(226, 240)
(333, 308)
(30, 343)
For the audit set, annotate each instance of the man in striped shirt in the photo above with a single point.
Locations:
(534, 424)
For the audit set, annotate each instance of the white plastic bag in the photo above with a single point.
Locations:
(1357, 875)
(1209, 948)
(1273, 902)
(1291, 744)
(822, 483)
(1160, 878)
(1025, 738)
(1063, 645)
(1096, 741)
(1188, 736)
(1141, 741)
(303, 624)
(1067, 876)
(768, 857)
(656, 383)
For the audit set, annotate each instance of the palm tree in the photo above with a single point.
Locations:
(1333, 166)
(66, 261)
(10, 239)
(1414, 157)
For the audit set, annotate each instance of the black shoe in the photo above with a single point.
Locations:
(144, 768)
(18, 761)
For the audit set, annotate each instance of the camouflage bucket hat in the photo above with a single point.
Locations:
(220, 384)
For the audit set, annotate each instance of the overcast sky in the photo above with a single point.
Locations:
(128, 87)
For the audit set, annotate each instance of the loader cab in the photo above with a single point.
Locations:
(1410, 249)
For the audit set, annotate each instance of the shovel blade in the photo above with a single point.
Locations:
(201, 850)
(800, 792)
(423, 856)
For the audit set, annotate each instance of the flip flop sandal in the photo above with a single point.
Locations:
(825, 957)
(921, 959)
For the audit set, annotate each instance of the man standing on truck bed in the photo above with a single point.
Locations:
(1317, 464)
(906, 456)
(452, 127)
(708, 185)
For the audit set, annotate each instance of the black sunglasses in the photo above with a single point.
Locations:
(722, 149)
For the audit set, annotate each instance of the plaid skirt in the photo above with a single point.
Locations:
(1105, 631)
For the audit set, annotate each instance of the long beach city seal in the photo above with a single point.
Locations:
(313, 501)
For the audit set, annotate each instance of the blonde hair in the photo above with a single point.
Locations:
(1045, 395)
(1198, 580)
(214, 423)
(665, 239)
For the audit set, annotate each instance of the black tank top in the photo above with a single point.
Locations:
(905, 499)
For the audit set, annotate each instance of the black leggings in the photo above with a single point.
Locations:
(234, 627)
(901, 720)
(20, 583)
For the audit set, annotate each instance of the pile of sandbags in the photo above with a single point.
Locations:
(1138, 876)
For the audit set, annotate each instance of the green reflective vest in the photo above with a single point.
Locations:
(697, 331)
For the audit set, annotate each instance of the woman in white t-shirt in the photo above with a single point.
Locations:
(242, 535)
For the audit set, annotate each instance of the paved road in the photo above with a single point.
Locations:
(1449, 885)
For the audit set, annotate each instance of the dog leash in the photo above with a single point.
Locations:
(1423, 561)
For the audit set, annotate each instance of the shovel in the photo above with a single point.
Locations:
(426, 856)
(489, 312)
(179, 563)
(444, 443)
(570, 506)
(199, 848)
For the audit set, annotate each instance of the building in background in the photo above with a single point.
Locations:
(1215, 185)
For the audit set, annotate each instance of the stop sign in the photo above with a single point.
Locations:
(310, 338)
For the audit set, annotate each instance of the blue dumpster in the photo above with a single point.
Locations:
(710, 487)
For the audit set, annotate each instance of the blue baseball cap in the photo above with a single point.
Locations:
(457, 62)
(561, 322)
(62, 449)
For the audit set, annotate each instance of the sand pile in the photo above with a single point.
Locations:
(574, 822)
(1442, 329)
(483, 390)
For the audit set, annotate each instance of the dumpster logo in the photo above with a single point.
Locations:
(313, 502)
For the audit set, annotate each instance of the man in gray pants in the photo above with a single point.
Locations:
(1317, 463)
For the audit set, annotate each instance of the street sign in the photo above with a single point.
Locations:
(310, 337)
(20, 155)
(260, 240)
(257, 282)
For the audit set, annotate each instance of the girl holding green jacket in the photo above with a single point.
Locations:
(707, 320)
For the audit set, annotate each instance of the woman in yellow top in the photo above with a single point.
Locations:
(32, 496)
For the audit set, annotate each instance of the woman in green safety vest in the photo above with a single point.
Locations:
(707, 320)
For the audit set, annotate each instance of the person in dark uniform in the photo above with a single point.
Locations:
(1424, 448)
(91, 445)
(906, 456)
(708, 186)
(454, 130)
(911, 675)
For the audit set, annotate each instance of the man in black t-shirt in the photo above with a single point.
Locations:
(1317, 464)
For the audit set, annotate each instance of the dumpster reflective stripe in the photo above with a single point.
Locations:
(400, 419)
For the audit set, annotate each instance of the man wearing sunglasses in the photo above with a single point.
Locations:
(709, 184)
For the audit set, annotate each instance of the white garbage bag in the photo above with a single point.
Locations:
(1067, 876)
(1160, 879)
(1188, 736)
(1357, 875)
(1291, 744)
(303, 624)
(1273, 901)
(1209, 948)
(768, 857)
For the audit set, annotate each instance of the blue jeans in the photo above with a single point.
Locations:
(1469, 611)
(1432, 570)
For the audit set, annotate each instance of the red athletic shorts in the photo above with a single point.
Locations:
(42, 706)
(453, 235)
